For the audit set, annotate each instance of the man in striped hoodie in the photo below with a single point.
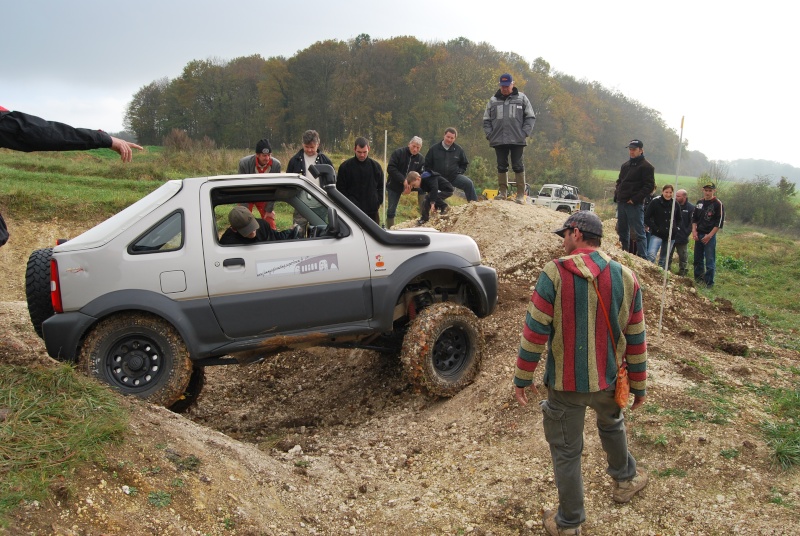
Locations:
(578, 298)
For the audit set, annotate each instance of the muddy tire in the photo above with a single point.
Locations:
(37, 287)
(192, 392)
(443, 348)
(138, 354)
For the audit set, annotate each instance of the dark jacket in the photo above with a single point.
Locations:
(708, 214)
(437, 187)
(508, 120)
(22, 132)
(637, 179)
(247, 165)
(656, 217)
(685, 232)
(400, 163)
(362, 183)
(297, 164)
(446, 162)
(263, 234)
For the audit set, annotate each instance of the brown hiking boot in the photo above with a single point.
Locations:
(549, 522)
(624, 491)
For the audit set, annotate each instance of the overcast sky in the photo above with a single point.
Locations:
(727, 68)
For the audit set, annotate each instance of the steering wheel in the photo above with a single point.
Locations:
(298, 231)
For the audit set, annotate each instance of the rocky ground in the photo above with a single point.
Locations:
(333, 442)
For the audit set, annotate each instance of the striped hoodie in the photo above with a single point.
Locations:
(564, 311)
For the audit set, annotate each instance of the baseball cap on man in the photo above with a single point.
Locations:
(709, 184)
(586, 221)
(506, 80)
(635, 143)
(263, 146)
(242, 220)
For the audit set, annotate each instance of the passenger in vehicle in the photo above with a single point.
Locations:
(247, 229)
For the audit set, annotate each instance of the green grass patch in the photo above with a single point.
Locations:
(54, 420)
(671, 471)
(783, 433)
(757, 271)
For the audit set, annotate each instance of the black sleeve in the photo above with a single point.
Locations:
(22, 132)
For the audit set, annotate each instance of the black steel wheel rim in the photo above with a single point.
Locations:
(451, 351)
(135, 363)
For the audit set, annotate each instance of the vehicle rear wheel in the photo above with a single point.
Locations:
(138, 354)
(443, 348)
(37, 287)
(192, 392)
(565, 210)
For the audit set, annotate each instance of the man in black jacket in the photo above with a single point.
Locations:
(300, 162)
(23, 132)
(247, 229)
(449, 160)
(684, 233)
(401, 162)
(436, 188)
(636, 181)
(360, 179)
(707, 219)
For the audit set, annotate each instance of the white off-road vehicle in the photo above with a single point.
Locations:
(561, 197)
(149, 297)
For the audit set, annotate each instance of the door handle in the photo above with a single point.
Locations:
(237, 261)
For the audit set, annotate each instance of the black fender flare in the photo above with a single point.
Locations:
(385, 292)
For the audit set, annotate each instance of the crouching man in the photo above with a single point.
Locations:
(436, 189)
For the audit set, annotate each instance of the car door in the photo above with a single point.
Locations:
(279, 286)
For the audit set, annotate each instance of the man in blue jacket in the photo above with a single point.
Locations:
(507, 122)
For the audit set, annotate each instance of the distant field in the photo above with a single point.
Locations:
(684, 181)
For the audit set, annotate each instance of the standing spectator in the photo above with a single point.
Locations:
(636, 181)
(577, 298)
(300, 162)
(360, 179)
(657, 218)
(449, 160)
(401, 163)
(507, 122)
(261, 162)
(646, 203)
(23, 132)
(707, 219)
(436, 188)
(683, 233)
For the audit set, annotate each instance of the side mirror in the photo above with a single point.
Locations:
(333, 220)
(324, 173)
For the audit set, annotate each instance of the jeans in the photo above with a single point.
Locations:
(705, 254)
(502, 152)
(683, 258)
(652, 247)
(392, 200)
(563, 419)
(465, 183)
(631, 216)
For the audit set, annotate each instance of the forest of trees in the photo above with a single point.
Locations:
(407, 87)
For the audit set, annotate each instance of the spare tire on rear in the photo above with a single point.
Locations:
(37, 287)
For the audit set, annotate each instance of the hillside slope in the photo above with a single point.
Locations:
(337, 442)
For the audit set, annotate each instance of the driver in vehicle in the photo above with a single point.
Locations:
(247, 229)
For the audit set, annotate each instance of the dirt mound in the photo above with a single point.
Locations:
(336, 441)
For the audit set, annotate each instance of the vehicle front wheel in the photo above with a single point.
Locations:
(443, 348)
(138, 354)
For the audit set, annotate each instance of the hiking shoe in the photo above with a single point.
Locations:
(624, 491)
(549, 522)
(500, 197)
(519, 201)
(421, 221)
